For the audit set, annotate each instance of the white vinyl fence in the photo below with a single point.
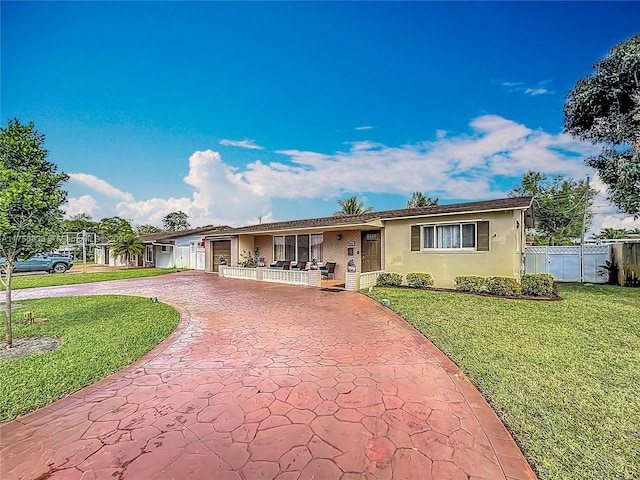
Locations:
(569, 264)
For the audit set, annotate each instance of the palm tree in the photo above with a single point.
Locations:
(609, 233)
(351, 206)
(127, 245)
(419, 200)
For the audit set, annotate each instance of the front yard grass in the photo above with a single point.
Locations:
(52, 280)
(100, 335)
(564, 376)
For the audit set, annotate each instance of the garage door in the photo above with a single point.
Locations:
(221, 248)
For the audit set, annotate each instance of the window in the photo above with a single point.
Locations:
(165, 249)
(316, 247)
(303, 248)
(289, 248)
(278, 248)
(297, 247)
(468, 236)
(148, 254)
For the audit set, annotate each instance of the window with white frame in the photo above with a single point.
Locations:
(301, 248)
(315, 249)
(449, 236)
(148, 254)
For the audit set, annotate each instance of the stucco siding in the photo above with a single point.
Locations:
(265, 247)
(503, 257)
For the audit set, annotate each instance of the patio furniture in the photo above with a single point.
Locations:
(279, 265)
(329, 269)
(300, 266)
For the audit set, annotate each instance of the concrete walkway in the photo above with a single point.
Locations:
(265, 381)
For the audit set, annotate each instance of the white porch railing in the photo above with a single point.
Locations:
(293, 277)
(312, 278)
(239, 272)
(369, 279)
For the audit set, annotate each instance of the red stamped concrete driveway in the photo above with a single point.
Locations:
(265, 381)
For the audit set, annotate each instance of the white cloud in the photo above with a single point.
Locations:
(484, 163)
(540, 88)
(100, 185)
(364, 127)
(536, 91)
(606, 215)
(84, 204)
(250, 144)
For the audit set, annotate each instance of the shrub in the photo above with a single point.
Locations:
(419, 280)
(389, 280)
(470, 283)
(537, 284)
(503, 286)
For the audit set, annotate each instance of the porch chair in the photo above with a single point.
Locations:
(279, 265)
(300, 266)
(329, 269)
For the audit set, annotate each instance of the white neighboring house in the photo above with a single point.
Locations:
(183, 249)
(102, 256)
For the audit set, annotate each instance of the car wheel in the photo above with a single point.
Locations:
(59, 268)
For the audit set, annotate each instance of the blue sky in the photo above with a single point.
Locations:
(230, 111)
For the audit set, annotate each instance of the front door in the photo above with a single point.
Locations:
(222, 248)
(371, 251)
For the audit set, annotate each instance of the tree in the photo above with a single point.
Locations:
(419, 200)
(30, 198)
(128, 245)
(111, 228)
(146, 229)
(79, 222)
(351, 206)
(563, 207)
(610, 233)
(604, 108)
(175, 221)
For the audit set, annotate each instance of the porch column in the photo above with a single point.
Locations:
(352, 281)
(315, 278)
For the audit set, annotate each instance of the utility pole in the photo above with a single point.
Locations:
(584, 213)
(584, 226)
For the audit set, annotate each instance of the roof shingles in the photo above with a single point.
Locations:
(513, 203)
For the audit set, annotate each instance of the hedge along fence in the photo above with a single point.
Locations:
(531, 284)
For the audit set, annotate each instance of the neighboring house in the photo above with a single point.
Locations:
(182, 249)
(478, 238)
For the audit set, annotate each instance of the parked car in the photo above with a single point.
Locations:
(41, 263)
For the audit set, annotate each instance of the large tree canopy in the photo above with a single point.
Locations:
(604, 108)
(30, 198)
(559, 206)
(176, 221)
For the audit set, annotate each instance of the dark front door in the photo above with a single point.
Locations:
(371, 251)
(221, 248)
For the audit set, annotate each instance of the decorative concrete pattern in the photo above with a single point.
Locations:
(266, 381)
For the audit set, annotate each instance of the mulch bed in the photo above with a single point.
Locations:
(25, 347)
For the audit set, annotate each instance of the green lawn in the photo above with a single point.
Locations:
(100, 335)
(51, 280)
(564, 376)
